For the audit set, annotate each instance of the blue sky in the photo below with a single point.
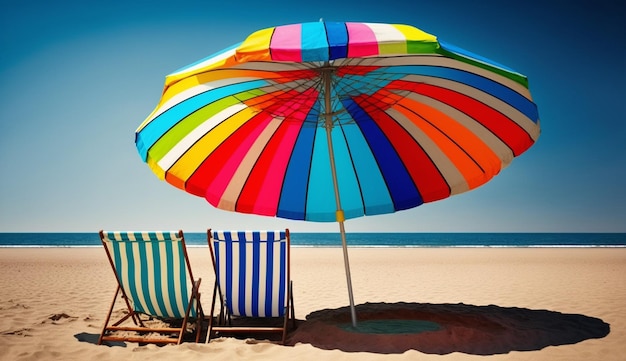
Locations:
(78, 78)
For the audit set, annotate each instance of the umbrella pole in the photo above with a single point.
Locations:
(328, 124)
(348, 276)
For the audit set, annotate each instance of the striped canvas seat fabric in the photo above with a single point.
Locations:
(252, 271)
(152, 269)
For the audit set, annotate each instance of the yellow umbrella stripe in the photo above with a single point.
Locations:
(193, 158)
(256, 47)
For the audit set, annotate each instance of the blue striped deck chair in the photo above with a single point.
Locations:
(154, 278)
(252, 282)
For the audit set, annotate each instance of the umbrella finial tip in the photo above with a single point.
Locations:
(321, 20)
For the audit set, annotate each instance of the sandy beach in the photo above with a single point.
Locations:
(492, 304)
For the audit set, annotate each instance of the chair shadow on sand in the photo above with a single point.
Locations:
(93, 339)
(477, 330)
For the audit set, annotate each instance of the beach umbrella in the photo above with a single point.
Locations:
(328, 121)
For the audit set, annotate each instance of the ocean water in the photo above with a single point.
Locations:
(357, 239)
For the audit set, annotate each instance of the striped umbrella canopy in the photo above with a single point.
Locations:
(384, 117)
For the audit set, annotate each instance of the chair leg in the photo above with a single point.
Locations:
(108, 318)
(194, 295)
(293, 309)
(210, 330)
(199, 319)
(285, 322)
(183, 327)
(289, 312)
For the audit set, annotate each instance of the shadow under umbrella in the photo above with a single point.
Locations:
(389, 328)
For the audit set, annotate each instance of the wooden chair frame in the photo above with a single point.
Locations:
(175, 333)
(223, 321)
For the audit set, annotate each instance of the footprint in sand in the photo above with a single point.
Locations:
(25, 332)
(11, 305)
(60, 318)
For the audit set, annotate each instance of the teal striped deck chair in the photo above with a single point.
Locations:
(252, 282)
(155, 280)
